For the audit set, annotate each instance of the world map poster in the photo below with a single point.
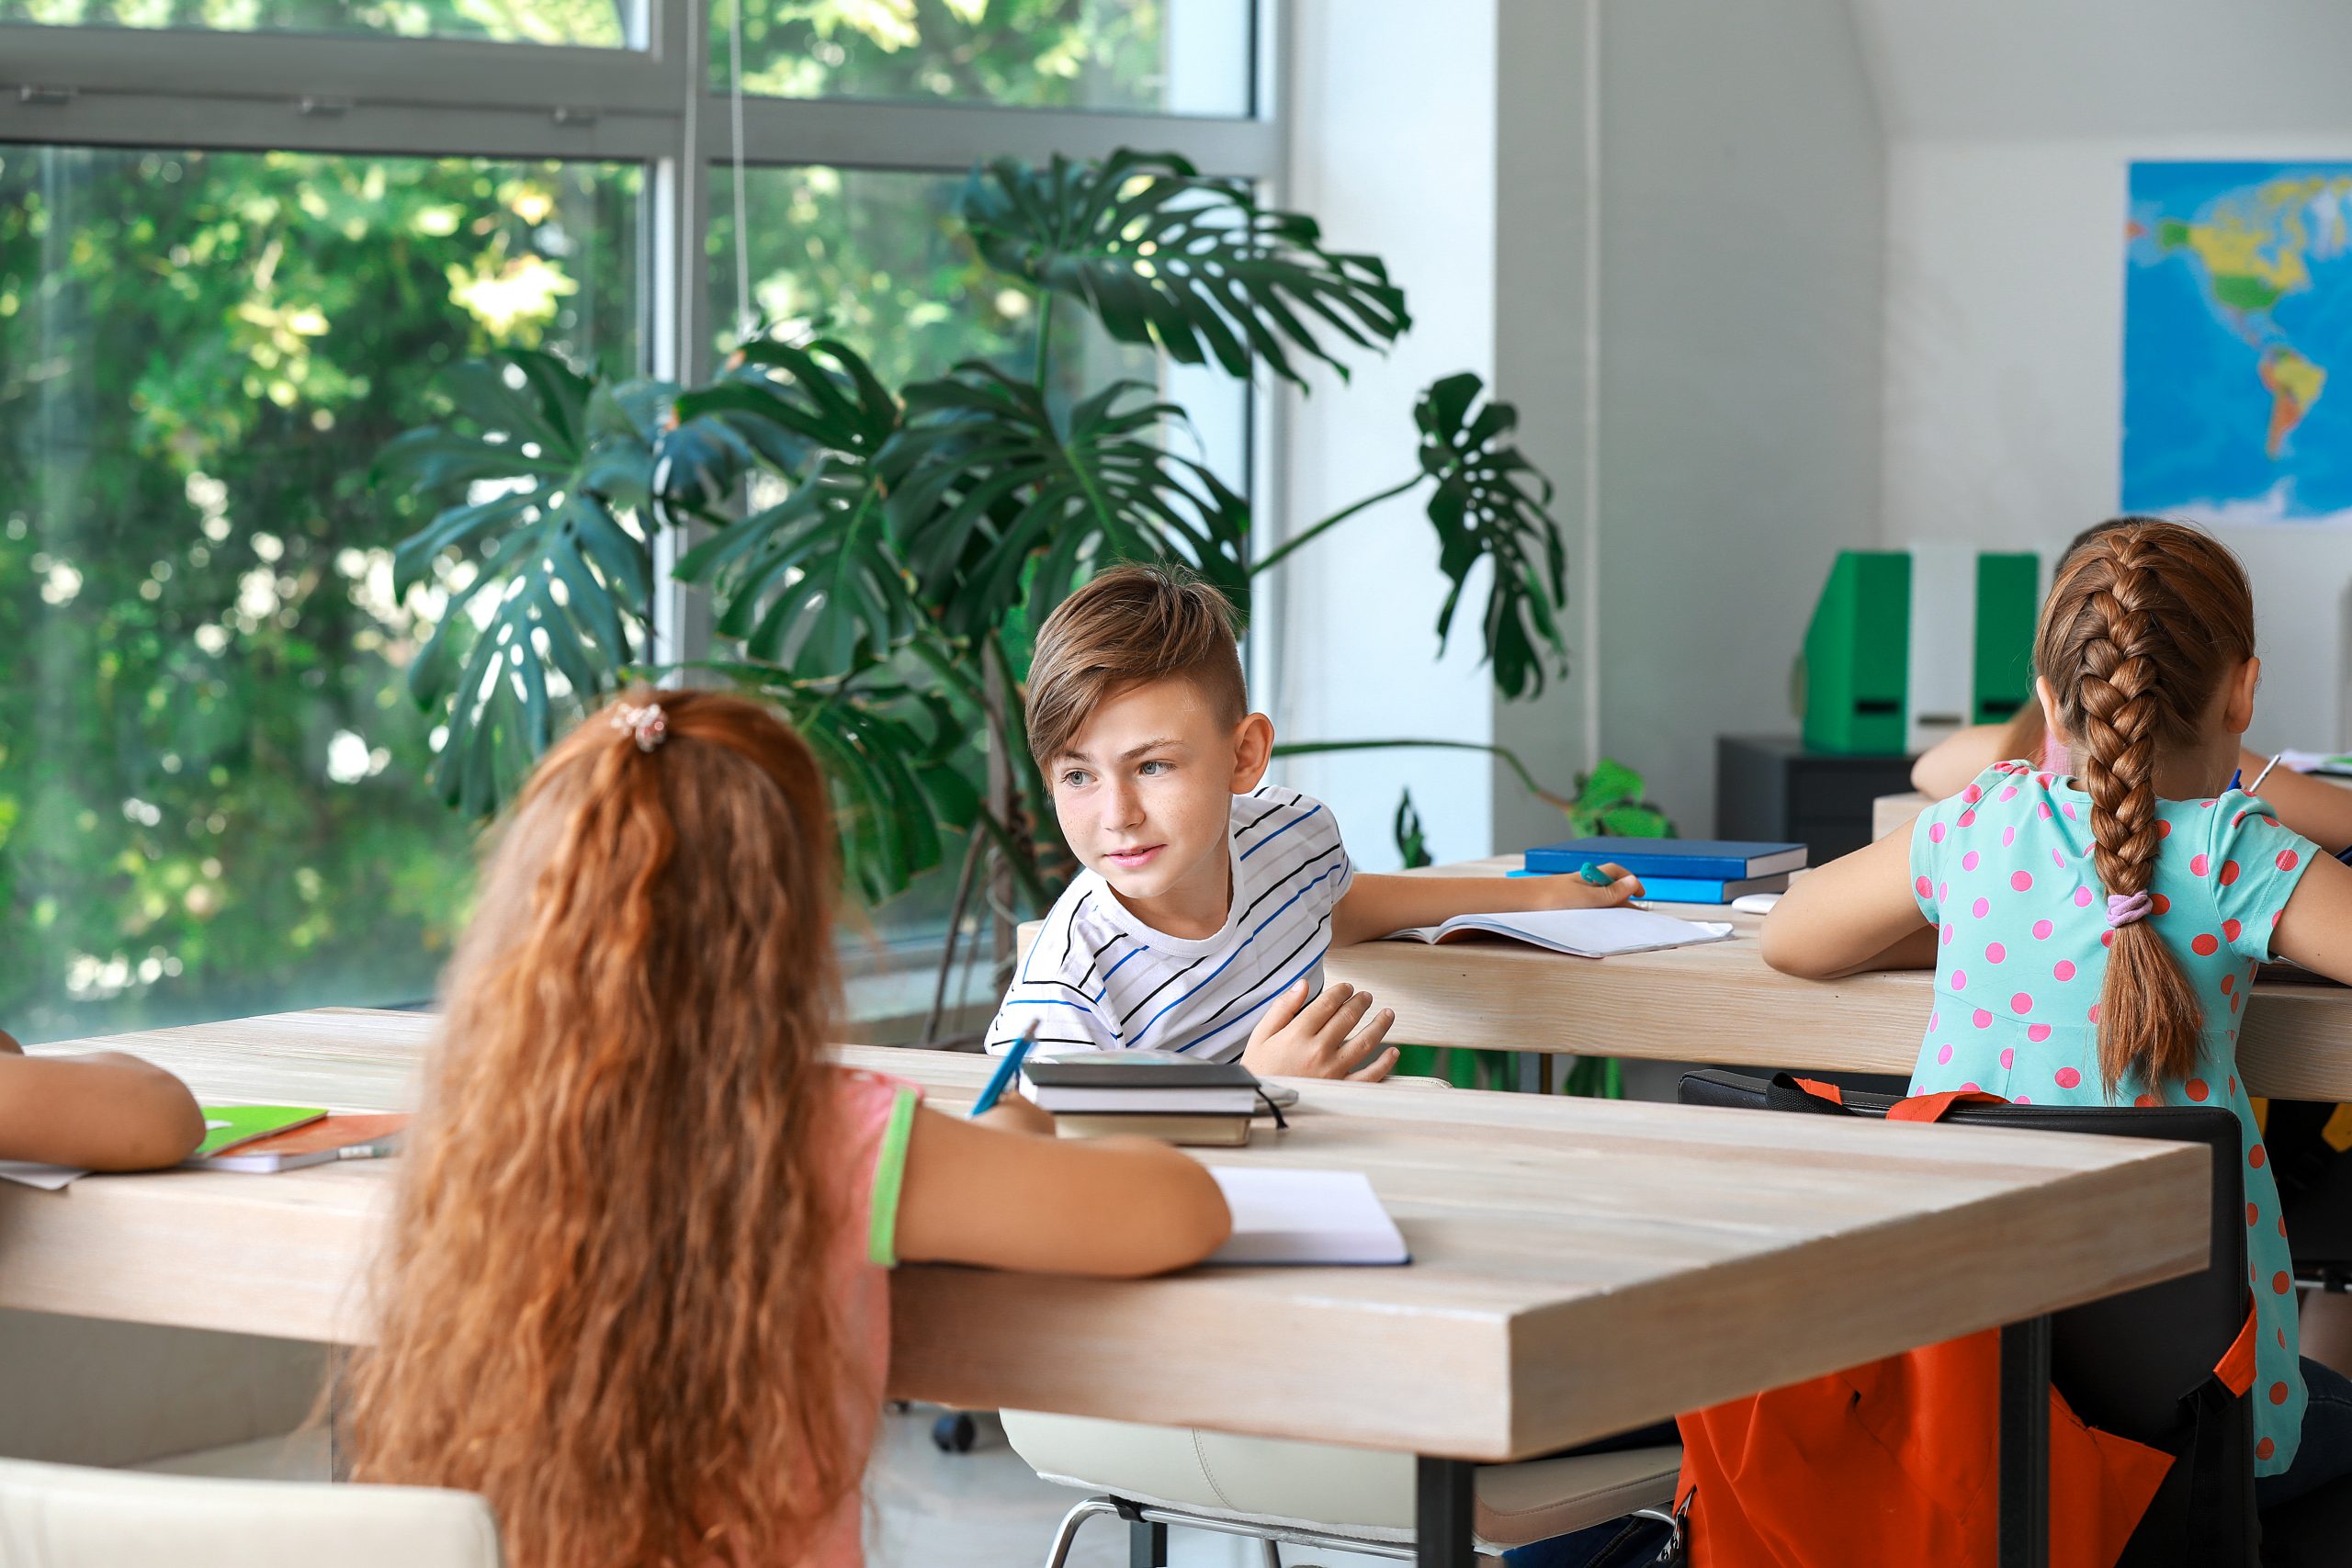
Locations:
(2237, 342)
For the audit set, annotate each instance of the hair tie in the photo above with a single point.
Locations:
(648, 724)
(2123, 909)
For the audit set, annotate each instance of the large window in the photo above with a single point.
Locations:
(231, 268)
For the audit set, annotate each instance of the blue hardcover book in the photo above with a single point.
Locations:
(1692, 889)
(1708, 859)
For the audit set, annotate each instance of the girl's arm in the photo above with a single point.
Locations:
(1855, 913)
(1946, 768)
(2312, 807)
(106, 1111)
(2315, 928)
(998, 1195)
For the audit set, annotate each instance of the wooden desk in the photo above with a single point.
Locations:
(1581, 1266)
(1720, 1003)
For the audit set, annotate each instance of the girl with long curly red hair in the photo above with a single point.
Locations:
(635, 1290)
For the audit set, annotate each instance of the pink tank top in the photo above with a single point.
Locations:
(877, 1116)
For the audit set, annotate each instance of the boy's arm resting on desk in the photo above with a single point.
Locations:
(1114, 1207)
(1374, 905)
(1854, 914)
(106, 1111)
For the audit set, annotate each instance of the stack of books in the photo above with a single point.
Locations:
(1135, 1094)
(1678, 871)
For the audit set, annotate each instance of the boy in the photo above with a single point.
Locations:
(1208, 899)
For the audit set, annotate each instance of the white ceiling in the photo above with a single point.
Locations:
(2100, 68)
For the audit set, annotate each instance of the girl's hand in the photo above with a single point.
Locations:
(1012, 1114)
(1575, 893)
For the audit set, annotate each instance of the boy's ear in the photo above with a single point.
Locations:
(1253, 748)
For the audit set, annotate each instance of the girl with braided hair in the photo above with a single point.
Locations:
(2094, 929)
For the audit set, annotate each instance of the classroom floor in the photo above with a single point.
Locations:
(983, 1509)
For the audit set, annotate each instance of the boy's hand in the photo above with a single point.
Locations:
(1299, 1039)
(1575, 893)
(1012, 1114)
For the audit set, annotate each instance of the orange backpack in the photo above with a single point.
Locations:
(1896, 1461)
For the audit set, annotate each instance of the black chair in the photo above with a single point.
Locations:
(2139, 1364)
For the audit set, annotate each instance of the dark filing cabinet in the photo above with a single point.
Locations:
(1769, 786)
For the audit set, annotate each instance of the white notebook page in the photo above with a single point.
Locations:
(1306, 1216)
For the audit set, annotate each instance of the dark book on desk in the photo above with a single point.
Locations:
(1704, 860)
(1131, 1082)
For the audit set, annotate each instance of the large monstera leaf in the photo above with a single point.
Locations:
(809, 581)
(545, 473)
(999, 507)
(1491, 502)
(1196, 266)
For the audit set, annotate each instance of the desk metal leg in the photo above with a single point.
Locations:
(2025, 1444)
(1443, 1502)
(1534, 1071)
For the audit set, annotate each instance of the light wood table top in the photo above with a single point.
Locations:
(1721, 1003)
(1580, 1267)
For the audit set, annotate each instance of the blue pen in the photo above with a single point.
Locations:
(1594, 874)
(1007, 1067)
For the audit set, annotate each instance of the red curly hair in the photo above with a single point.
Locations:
(602, 1305)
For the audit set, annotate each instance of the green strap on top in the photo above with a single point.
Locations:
(889, 1175)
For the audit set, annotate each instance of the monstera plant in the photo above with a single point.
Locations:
(876, 558)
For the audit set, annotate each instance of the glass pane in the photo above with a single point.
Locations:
(606, 24)
(1135, 56)
(874, 258)
(210, 772)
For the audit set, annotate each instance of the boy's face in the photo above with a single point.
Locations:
(1145, 796)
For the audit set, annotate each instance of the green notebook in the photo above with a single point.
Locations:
(226, 1126)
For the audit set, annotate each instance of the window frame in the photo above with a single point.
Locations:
(647, 103)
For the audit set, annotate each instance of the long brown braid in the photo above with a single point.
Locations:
(2144, 621)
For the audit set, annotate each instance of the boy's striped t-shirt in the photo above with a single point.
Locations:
(1097, 978)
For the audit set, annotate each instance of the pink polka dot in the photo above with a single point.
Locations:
(2082, 897)
(2094, 1013)
(2230, 930)
(1968, 861)
(2204, 945)
(1943, 891)
(1994, 952)
(1968, 820)
(2229, 872)
(2071, 814)
(2038, 1033)
(1971, 794)
(1960, 979)
(2238, 820)
(2198, 1089)
(1934, 833)
(2164, 830)
(2022, 1100)
(2197, 864)
(2010, 793)
(1949, 932)
(1970, 1089)
(2065, 969)
(2288, 861)
(2257, 1156)
(2009, 837)
(2042, 929)
(2068, 1078)
(2145, 1100)
(2058, 859)
(1983, 1020)
(2022, 880)
(2045, 811)
(1980, 909)
(2021, 1003)
(2008, 1058)
(1933, 1018)
(2229, 984)
(1943, 1055)
(2160, 903)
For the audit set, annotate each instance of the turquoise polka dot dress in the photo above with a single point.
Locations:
(2004, 871)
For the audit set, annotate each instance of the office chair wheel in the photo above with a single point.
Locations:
(955, 1432)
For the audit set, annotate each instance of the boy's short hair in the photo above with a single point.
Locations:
(1130, 624)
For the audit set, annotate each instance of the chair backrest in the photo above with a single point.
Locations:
(56, 1516)
(2126, 1362)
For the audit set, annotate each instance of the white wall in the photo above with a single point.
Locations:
(1742, 226)
(1393, 153)
(2003, 379)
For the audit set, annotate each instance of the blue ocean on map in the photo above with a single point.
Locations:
(2237, 344)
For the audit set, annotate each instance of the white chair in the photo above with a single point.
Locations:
(1315, 1494)
(56, 1516)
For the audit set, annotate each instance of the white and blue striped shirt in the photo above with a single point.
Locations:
(1097, 978)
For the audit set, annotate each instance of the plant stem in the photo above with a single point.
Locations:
(1044, 338)
(1510, 759)
(1295, 540)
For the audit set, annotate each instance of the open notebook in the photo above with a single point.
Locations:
(1306, 1216)
(1586, 934)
